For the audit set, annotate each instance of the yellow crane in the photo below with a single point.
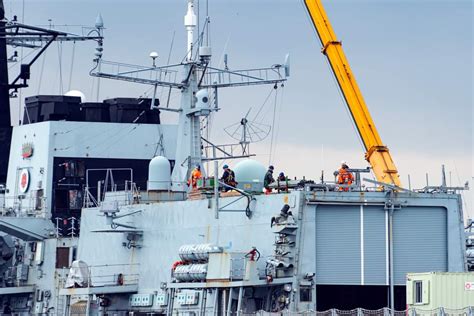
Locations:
(377, 153)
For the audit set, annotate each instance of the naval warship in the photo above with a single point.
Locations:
(115, 229)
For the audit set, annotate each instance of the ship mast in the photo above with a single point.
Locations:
(198, 97)
(188, 149)
(190, 24)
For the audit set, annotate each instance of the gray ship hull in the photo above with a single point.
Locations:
(343, 238)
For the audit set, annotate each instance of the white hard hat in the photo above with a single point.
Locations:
(343, 163)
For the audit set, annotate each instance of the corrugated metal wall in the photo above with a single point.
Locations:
(337, 244)
(375, 254)
(420, 243)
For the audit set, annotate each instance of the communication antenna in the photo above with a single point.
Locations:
(247, 132)
(154, 56)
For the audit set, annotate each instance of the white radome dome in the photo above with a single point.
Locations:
(76, 93)
(159, 174)
(250, 172)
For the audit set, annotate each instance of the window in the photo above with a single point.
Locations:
(75, 199)
(74, 168)
(418, 292)
(39, 194)
(62, 257)
(305, 294)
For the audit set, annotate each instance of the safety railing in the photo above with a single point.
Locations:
(26, 206)
(67, 226)
(165, 75)
(114, 274)
(228, 78)
(109, 275)
(108, 188)
(466, 311)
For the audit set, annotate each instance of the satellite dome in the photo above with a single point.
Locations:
(250, 174)
(159, 174)
(76, 93)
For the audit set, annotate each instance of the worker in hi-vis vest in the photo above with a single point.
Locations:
(344, 176)
(195, 175)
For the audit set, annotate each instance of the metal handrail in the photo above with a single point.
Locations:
(108, 275)
(27, 206)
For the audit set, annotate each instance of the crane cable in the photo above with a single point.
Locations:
(41, 72)
(159, 143)
(168, 62)
(20, 93)
(338, 88)
(273, 125)
(72, 64)
(346, 107)
(60, 57)
(460, 184)
(263, 104)
(278, 120)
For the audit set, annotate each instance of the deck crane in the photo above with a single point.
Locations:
(377, 153)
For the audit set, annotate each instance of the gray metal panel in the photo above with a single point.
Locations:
(17, 290)
(375, 263)
(308, 240)
(110, 289)
(420, 241)
(337, 244)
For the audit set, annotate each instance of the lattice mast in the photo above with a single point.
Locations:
(188, 77)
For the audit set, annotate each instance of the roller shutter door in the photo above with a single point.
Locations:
(375, 240)
(420, 241)
(338, 244)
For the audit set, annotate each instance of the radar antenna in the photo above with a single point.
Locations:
(247, 132)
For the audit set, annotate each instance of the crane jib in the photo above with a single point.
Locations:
(377, 154)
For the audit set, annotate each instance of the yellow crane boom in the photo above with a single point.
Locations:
(377, 153)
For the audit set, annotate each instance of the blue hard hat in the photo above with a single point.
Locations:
(281, 174)
(225, 166)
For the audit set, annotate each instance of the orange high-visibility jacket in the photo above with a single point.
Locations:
(345, 177)
(195, 175)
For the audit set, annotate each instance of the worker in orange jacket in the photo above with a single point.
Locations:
(195, 175)
(344, 176)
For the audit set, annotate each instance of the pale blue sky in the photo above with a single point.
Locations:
(412, 60)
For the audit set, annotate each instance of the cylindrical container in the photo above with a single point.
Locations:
(191, 272)
(197, 252)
